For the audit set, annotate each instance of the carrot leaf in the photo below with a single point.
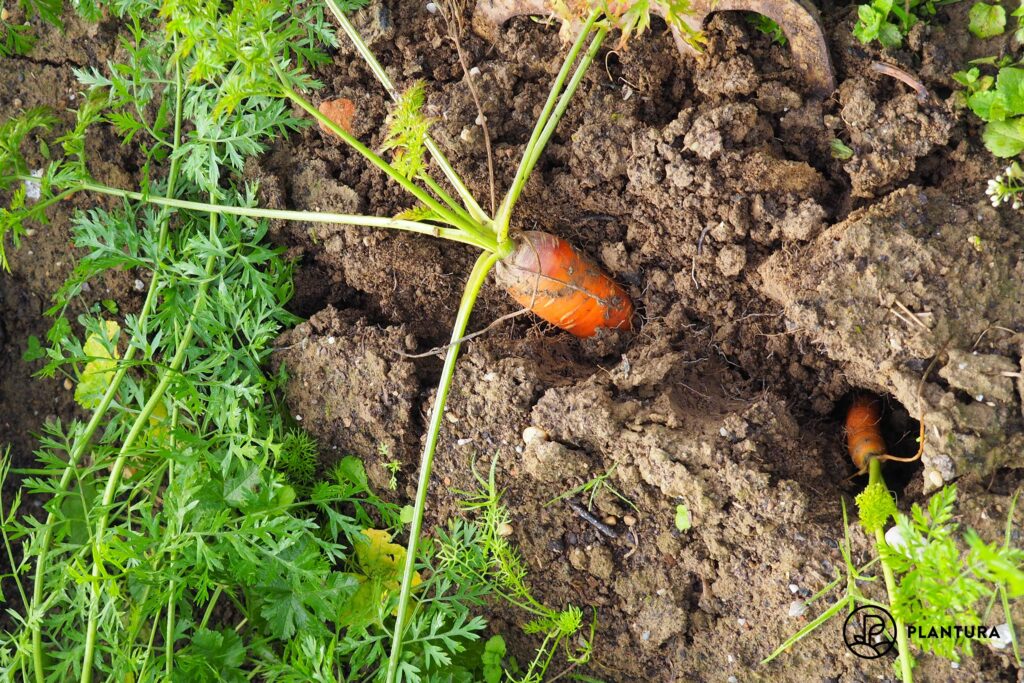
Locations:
(407, 132)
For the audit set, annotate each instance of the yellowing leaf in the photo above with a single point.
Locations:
(380, 558)
(157, 431)
(98, 372)
(381, 562)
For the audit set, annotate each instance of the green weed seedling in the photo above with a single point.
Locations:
(594, 487)
(889, 21)
(934, 575)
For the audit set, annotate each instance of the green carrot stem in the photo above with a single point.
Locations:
(446, 214)
(563, 101)
(478, 214)
(484, 242)
(82, 443)
(477, 277)
(906, 659)
(504, 217)
(434, 187)
(116, 470)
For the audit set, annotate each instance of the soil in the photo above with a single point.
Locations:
(773, 280)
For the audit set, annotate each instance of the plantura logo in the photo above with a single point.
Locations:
(870, 632)
(971, 632)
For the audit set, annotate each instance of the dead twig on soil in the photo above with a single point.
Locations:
(901, 75)
(589, 517)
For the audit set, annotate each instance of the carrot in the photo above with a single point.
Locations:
(864, 434)
(546, 275)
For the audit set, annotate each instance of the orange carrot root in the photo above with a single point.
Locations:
(548, 276)
(863, 431)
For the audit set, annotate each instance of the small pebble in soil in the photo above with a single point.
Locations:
(331, 340)
(797, 608)
(139, 285)
(475, 71)
(432, 7)
(67, 383)
(504, 529)
(611, 520)
(4, 14)
(629, 520)
(741, 621)
(534, 434)
(793, 588)
(464, 442)
(32, 188)
(298, 418)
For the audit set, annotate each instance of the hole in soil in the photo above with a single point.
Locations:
(900, 432)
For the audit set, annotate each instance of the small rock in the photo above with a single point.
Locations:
(505, 529)
(1003, 639)
(797, 608)
(67, 384)
(611, 520)
(139, 285)
(534, 434)
(629, 520)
